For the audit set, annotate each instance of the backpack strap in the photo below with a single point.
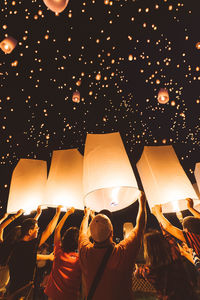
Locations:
(100, 272)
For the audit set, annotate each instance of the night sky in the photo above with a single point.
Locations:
(118, 55)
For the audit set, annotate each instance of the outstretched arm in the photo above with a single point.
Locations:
(50, 227)
(4, 217)
(39, 211)
(176, 232)
(190, 206)
(61, 223)
(45, 256)
(84, 224)
(8, 221)
(142, 215)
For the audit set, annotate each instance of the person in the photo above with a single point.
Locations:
(163, 268)
(23, 258)
(116, 280)
(65, 278)
(191, 227)
(3, 224)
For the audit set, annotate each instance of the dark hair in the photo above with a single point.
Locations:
(10, 240)
(69, 240)
(27, 225)
(156, 249)
(192, 224)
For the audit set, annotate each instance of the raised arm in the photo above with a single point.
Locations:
(38, 214)
(176, 232)
(61, 223)
(4, 217)
(45, 256)
(50, 227)
(142, 215)
(8, 221)
(190, 206)
(84, 224)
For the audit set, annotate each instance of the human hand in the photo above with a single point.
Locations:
(5, 215)
(190, 203)
(51, 256)
(156, 209)
(87, 211)
(71, 210)
(92, 214)
(58, 209)
(19, 213)
(39, 210)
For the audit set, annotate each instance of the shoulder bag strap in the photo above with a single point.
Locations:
(100, 272)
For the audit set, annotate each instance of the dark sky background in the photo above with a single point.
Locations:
(136, 47)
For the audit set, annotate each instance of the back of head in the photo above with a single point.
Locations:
(107, 213)
(13, 235)
(69, 240)
(27, 225)
(101, 228)
(156, 249)
(192, 224)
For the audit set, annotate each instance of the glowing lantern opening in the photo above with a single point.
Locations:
(163, 96)
(64, 183)
(108, 178)
(8, 45)
(56, 6)
(27, 186)
(164, 179)
(76, 97)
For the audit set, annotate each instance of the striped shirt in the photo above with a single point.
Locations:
(193, 241)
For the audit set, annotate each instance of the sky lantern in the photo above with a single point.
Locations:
(164, 180)
(198, 46)
(8, 45)
(76, 97)
(197, 177)
(64, 183)
(163, 96)
(108, 178)
(27, 185)
(56, 6)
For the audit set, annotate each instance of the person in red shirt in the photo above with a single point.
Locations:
(65, 277)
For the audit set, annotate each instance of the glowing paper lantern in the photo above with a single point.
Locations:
(197, 176)
(27, 185)
(164, 179)
(127, 228)
(8, 44)
(108, 178)
(64, 183)
(198, 46)
(76, 97)
(56, 6)
(163, 96)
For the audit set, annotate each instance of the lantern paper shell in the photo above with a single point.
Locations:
(8, 45)
(108, 178)
(76, 97)
(27, 185)
(56, 6)
(164, 179)
(197, 177)
(64, 183)
(163, 96)
(127, 228)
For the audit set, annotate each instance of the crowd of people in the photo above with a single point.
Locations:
(87, 264)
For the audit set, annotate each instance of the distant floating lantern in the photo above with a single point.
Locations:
(27, 185)
(130, 57)
(64, 183)
(76, 97)
(198, 46)
(78, 83)
(56, 6)
(98, 76)
(164, 179)
(8, 45)
(163, 96)
(108, 179)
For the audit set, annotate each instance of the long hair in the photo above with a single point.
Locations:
(69, 241)
(156, 249)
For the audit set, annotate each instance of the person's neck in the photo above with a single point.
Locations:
(26, 238)
(104, 244)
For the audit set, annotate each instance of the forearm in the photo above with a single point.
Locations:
(84, 225)
(141, 218)
(43, 257)
(62, 222)
(195, 213)
(37, 216)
